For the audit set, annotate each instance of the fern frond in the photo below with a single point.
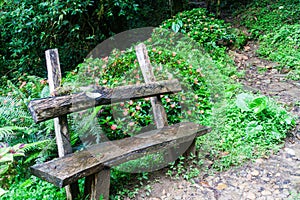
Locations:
(43, 154)
(45, 92)
(36, 146)
(9, 131)
(12, 114)
(32, 157)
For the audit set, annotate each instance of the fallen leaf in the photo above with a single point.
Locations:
(246, 48)
(241, 56)
(204, 183)
(221, 186)
(225, 153)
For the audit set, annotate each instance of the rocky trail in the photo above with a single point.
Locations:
(273, 178)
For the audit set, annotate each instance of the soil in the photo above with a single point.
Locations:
(276, 177)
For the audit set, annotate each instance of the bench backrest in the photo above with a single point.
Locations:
(56, 106)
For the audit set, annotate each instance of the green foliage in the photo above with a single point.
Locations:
(282, 46)
(126, 119)
(202, 27)
(29, 27)
(8, 131)
(246, 127)
(135, 13)
(22, 141)
(135, 182)
(187, 168)
(263, 16)
(213, 34)
(276, 25)
(32, 189)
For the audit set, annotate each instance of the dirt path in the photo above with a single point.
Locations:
(262, 75)
(277, 177)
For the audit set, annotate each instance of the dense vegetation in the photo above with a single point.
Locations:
(29, 27)
(245, 126)
(276, 25)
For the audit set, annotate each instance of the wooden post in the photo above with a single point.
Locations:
(97, 185)
(159, 113)
(60, 123)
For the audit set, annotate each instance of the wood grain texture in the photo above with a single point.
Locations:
(68, 169)
(97, 185)
(159, 114)
(48, 108)
(60, 123)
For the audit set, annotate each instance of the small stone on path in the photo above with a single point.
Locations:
(255, 173)
(250, 195)
(290, 151)
(266, 192)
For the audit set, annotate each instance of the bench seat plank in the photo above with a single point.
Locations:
(68, 169)
(51, 107)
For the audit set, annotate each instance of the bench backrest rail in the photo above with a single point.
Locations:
(51, 107)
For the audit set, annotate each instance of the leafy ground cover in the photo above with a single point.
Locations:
(276, 25)
(245, 126)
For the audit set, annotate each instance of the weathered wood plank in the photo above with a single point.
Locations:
(159, 113)
(60, 123)
(66, 170)
(97, 185)
(48, 108)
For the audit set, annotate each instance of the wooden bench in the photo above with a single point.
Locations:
(94, 163)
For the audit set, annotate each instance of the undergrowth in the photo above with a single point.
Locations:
(282, 46)
(276, 25)
(245, 127)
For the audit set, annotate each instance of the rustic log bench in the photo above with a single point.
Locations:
(94, 163)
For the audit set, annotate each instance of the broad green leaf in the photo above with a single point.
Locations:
(242, 101)
(2, 192)
(175, 27)
(258, 104)
(253, 127)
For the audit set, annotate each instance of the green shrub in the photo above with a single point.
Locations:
(282, 46)
(203, 27)
(244, 128)
(22, 142)
(128, 117)
(263, 16)
(213, 34)
(276, 24)
(33, 189)
(30, 27)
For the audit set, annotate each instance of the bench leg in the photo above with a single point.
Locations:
(72, 191)
(191, 149)
(97, 185)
